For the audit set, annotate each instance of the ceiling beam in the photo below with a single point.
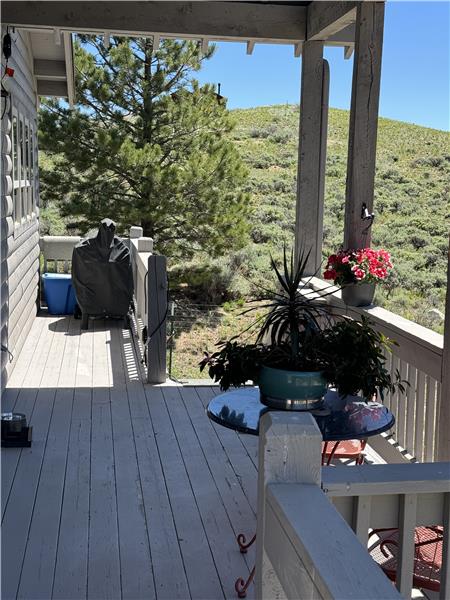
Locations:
(156, 42)
(49, 69)
(224, 20)
(324, 19)
(70, 67)
(205, 45)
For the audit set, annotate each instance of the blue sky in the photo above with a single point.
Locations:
(415, 74)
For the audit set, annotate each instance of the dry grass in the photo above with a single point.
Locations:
(202, 333)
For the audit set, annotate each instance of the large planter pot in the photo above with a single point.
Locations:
(358, 294)
(291, 390)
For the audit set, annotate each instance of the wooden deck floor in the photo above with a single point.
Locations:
(128, 491)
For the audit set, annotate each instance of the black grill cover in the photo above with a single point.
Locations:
(101, 273)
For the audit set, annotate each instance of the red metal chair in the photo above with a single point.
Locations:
(351, 449)
(428, 543)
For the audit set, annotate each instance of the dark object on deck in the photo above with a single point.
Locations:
(102, 275)
(15, 433)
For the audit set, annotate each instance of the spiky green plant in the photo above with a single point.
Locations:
(294, 312)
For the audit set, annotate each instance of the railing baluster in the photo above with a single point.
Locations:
(444, 591)
(420, 416)
(361, 517)
(388, 397)
(411, 396)
(401, 407)
(436, 418)
(405, 561)
(430, 412)
(395, 364)
(156, 318)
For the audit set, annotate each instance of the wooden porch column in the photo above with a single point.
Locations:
(443, 416)
(312, 154)
(362, 141)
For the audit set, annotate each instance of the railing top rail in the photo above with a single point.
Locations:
(301, 511)
(376, 480)
(417, 345)
(58, 247)
(404, 327)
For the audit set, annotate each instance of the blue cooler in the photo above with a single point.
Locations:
(59, 293)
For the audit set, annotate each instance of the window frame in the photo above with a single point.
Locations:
(23, 152)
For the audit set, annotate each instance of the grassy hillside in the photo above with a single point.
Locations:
(412, 205)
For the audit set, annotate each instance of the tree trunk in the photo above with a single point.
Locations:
(147, 227)
(147, 94)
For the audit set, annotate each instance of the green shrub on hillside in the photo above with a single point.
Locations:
(412, 208)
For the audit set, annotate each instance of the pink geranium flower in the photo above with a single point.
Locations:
(361, 265)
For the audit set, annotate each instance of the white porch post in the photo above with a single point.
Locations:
(290, 447)
(312, 154)
(363, 121)
(443, 416)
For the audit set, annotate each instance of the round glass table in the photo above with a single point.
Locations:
(241, 410)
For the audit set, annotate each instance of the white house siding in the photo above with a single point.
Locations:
(19, 240)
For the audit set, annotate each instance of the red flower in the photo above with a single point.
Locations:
(359, 273)
(348, 266)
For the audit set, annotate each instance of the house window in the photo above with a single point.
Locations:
(23, 156)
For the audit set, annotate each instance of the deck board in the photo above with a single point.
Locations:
(39, 562)
(19, 510)
(128, 491)
(199, 564)
(70, 580)
(136, 576)
(216, 523)
(242, 462)
(229, 484)
(104, 579)
(167, 563)
(21, 393)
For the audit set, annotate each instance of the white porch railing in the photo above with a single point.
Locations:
(418, 357)
(57, 252)
(150, 283)
(307, 548)
(150, 290)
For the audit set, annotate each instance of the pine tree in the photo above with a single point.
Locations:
(146, 144)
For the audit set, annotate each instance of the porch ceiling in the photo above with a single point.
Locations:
(268, 22)
(53, 63)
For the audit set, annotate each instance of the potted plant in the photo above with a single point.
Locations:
(357, 272)
(296, 353)
(352, 355)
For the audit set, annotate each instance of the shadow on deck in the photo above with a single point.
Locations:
(128, 490)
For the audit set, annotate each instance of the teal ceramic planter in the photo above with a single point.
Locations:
(291, 390)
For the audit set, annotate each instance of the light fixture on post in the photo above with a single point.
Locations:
(367, 216)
